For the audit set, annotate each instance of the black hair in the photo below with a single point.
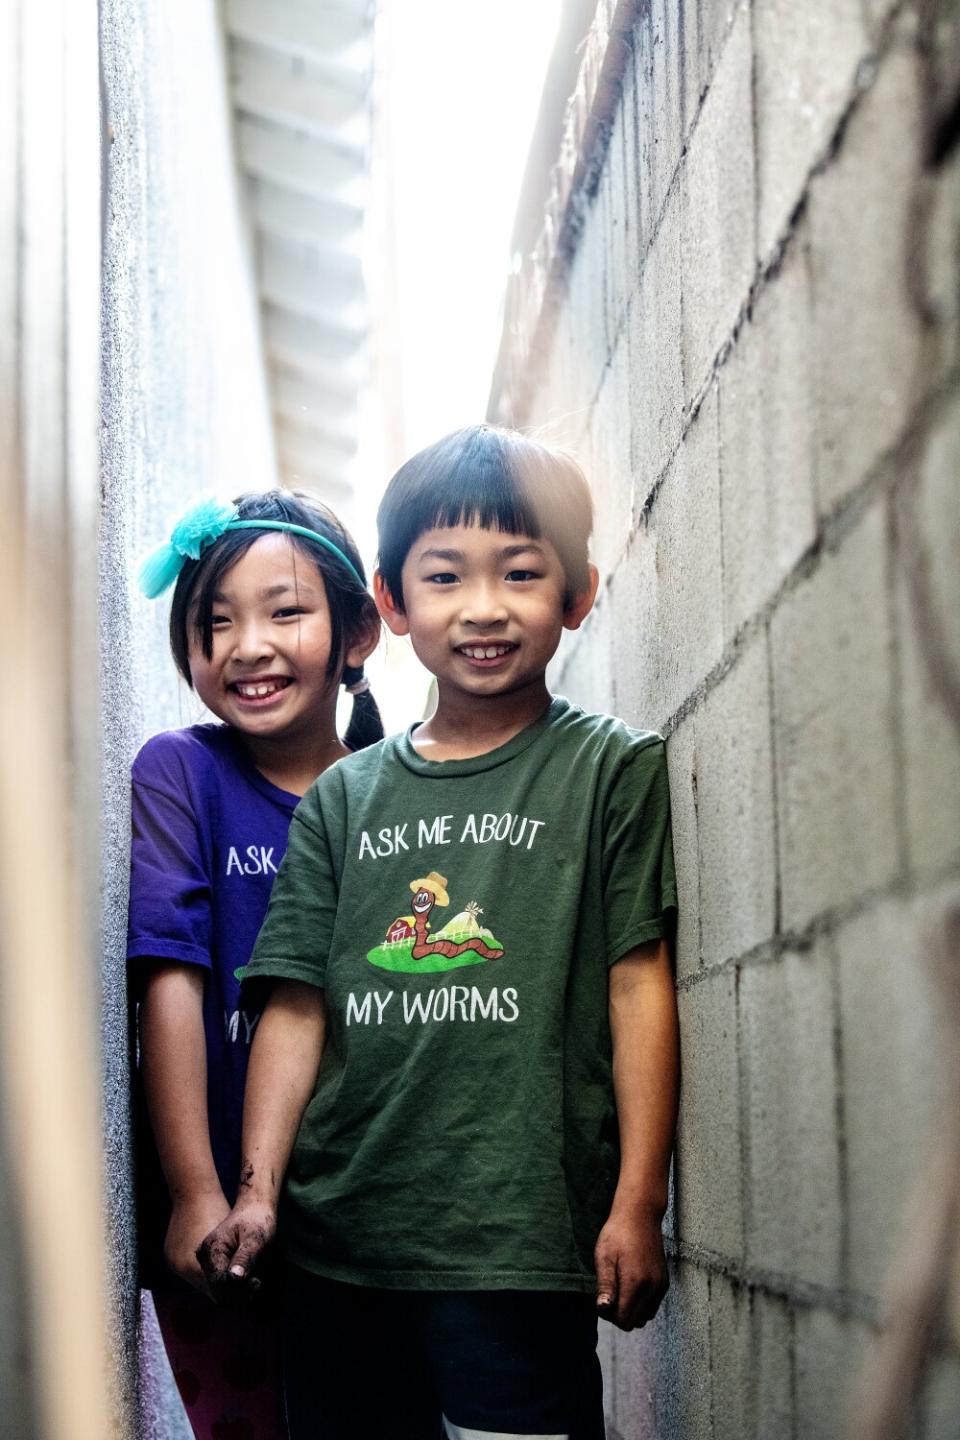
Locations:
(352, 610)
(498, 479)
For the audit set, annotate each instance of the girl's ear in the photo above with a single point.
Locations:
(391, 613)
(368, 634)
(582, 603)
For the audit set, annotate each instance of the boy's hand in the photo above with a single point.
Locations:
(631, 1268)
(228, 1255)
(192, 1218)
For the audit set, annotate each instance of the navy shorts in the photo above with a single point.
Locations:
(364, 1364)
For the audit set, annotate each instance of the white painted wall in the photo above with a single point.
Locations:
(184, 409)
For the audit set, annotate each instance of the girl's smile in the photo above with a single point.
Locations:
(261, 692)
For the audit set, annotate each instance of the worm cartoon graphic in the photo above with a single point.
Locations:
(429, 891)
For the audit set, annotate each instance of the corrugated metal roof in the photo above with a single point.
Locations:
(300, 75)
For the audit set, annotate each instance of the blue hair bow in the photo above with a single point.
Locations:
(203, 523)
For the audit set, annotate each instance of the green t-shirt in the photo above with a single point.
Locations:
(461, 916)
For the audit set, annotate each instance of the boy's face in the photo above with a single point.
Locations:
(483, 608)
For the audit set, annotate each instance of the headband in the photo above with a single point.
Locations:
(196, 530)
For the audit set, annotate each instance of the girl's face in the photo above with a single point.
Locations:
(267, 675)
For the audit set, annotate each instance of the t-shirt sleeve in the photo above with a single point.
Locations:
(294, 940)
(640, 888)
(170, 910)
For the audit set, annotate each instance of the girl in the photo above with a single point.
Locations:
(270, 614)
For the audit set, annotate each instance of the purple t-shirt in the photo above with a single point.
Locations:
(209, 833)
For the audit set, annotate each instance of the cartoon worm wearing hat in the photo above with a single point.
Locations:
(430, 891)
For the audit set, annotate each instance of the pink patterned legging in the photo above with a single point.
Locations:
(227, 1366)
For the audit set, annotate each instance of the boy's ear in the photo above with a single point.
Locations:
(390, 612)
(366, 641)
(582, 603)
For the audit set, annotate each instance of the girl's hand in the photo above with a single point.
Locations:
(229, 1253)
(192, 1218)
(632, 1274)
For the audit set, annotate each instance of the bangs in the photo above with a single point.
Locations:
(481, 490)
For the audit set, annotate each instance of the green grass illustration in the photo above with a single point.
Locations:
(399, 958)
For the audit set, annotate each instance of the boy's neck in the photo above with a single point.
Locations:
(463, 726)
(294, 765)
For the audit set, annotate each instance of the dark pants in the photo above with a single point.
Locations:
(364, 1364)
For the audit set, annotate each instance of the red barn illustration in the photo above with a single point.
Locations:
(401, 929)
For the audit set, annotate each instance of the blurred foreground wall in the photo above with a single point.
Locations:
(743, 313)
(52, 1353)
(184, 409)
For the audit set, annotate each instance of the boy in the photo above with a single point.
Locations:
(472, 1035)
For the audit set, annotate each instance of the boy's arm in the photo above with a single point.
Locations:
(284, 1059)
(173, 1051)
(631, 1266)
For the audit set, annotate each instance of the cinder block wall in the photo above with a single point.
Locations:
(743, 316)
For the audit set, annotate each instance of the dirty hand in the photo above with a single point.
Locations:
(229, 1253)
(193, 1216)
(631, 1268)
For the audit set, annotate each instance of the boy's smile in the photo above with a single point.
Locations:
(486, 654)
(484, 610)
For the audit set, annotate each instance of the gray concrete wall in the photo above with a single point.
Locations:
(743, 316)
(184, 410)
